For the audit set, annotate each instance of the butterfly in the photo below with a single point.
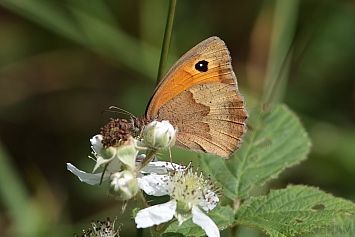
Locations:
(199, 95)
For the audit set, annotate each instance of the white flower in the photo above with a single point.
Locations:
(159, 135)
(189, 192)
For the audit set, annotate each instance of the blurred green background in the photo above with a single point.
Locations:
(64, 62)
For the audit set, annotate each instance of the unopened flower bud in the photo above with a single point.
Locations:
(159, 135)
(123, 185)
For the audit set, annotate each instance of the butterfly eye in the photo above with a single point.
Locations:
(202, 66)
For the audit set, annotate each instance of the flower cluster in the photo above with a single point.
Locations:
(129, 172)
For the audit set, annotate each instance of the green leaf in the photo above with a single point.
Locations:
(222, 216)
(343, 226)
(294, 210)
(275, 140)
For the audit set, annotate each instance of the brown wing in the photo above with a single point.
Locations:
(199, 95)
(210, 118)
(183, 74)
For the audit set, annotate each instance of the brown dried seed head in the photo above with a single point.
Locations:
(115, 132)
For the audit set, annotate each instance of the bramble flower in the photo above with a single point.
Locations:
(189, 193)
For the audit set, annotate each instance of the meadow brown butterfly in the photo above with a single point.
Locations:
(198, 95)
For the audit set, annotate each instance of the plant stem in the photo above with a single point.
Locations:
(141, 200)
(283, 30)
(149, 157)
(167, 39)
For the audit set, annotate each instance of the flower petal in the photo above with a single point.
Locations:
(154, 184)
(96, 143)
(206, 223)
(88, 178)
(210, 201)
(114, 166)
(161, 167)
(155, 215)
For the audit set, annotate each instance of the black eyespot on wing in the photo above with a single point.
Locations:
(202, 66)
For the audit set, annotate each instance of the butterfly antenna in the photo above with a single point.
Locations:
(119, 111)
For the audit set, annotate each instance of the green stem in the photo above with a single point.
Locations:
(150, 156)
(236, 205)
(234, 230)
(157, 231)
(141, 200)
(142, 204)
(167, 39)
(283, 29)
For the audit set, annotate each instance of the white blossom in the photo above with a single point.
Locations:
(189, 194)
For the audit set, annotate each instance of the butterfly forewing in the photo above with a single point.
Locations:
(183, 74)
